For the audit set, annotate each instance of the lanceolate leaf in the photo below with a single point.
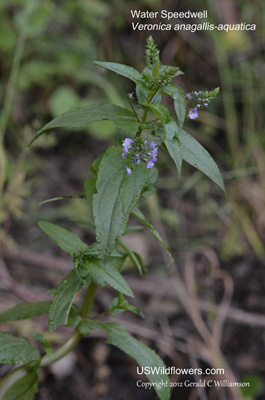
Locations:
(69, 242)
(16, 350)
(195, 154)
(169, 135)
(151, 183)
(24, 388)
(160, 111)
(82, 116)
(46, 344)
(174, 149)
(177, 94)
(102, 274)
(139, 215)
(117, 193)
(119, 304)
(63, 299)
(171, 129)
(119, 337)
(136, 259)
(25, 310)
(124, 70)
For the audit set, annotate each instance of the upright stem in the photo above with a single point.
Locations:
(150, 97)
(89, 300)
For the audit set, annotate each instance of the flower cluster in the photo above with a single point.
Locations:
(198, 100)
(138, 150)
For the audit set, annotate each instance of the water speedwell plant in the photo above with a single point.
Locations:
(121, 177)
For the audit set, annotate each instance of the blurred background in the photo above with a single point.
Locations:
(208, 309)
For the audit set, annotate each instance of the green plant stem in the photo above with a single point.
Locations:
(68, 346)
(151, 96)
(133, 109)
(89, 300)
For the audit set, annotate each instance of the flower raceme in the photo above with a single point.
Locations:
(137, 150)
(198, 100)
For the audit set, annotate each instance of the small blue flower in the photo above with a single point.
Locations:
(150, 164)
(127, 144)
(128, 170)
(193, 113)
(138, 150)
(137, 159)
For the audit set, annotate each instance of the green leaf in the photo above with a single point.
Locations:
(90, 189)
(133, 228)
(160, 111)
(67, 241)
(16, 350)
(141, 95)
(178, 95)
(74, 316)
(196, 155)
(139, 215)
(117, 193)
(87, 223)
(82, 116)
(68, 196)
(46, 345)
(145, 357)
(143, 92)
(95, 166)
(151, 183)
(124, 70)
(25, 310)
(90, 266)
(171, 129)
(63, 298)
(24, 388)
(174, 149)
(136, 259)
(119, 304)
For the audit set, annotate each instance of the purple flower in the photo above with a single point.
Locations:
(193, 113)
(137, 159)
(128, 170)
(154, 152)
(127, 144)
(150, 164)
(136, 150)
